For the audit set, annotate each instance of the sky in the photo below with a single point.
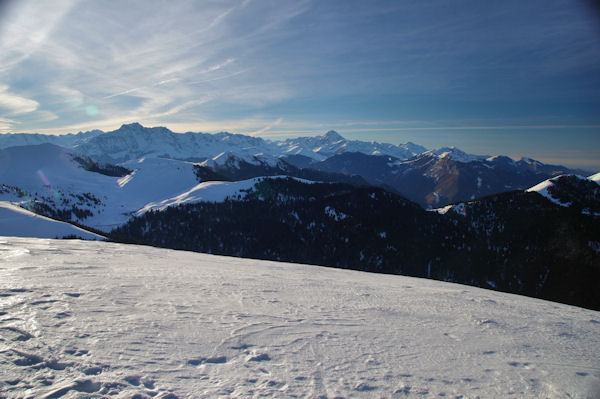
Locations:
(512, 77)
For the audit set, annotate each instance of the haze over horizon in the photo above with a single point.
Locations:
(512, 78)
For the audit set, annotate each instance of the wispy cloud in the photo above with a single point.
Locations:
(216, 67)
(45, 116)
(266, 128)
(178, 108)
(122, 93)
(26, 26)
(231, 75)
(14, 104)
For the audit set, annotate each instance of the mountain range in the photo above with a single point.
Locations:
(515, 226)
(432, 178)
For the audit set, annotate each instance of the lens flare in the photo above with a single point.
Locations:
(47, 184)
(44, 179)
(91, 110)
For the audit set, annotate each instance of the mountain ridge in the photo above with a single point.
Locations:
(131, 134)
(432, 178)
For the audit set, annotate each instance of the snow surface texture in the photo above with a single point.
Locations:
(112, 320)
(16, 221)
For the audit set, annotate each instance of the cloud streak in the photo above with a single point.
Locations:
(478, 127)
(266, 128)
(14, 104)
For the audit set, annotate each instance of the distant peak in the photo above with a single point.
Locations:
(136, 128)
(134, 125)
(332, 135)
(530, 161)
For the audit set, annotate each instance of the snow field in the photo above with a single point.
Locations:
(112, 320)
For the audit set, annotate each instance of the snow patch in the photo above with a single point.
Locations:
(595, 177)
(334, 214)
(459, 208)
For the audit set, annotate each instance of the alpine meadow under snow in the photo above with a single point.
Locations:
(97, 319)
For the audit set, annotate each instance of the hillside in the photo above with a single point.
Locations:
(54, 181)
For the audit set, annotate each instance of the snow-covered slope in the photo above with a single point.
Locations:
(99, 319)
(569, 190)
(44, 168)
(210, 191)
(49, 174)
(18, 222)
(542, 189)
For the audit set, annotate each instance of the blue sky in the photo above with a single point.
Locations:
(520, 78)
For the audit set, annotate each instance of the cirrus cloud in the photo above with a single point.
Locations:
(14, 104)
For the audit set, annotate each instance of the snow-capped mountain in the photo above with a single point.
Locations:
(63, 140)
(432, 178)
(133, 141)
(332, 143)
(455, 154)
(96, 319)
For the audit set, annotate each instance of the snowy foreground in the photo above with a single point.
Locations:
(94, 319)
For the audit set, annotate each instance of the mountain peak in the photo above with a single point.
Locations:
(332, 135)
(131, 126)
(136, 128)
